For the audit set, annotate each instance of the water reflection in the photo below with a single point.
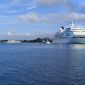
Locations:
(71, 46)
(78, 46)
(74, 61)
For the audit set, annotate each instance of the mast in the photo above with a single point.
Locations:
(72, 25)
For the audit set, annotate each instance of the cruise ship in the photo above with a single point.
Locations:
(71, 34)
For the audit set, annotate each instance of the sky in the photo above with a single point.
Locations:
(39, 17)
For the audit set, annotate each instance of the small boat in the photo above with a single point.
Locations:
(47, 42)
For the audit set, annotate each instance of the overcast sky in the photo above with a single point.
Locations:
(39, 16)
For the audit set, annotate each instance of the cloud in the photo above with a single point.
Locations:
(76, 16)
(81, 8)
(68, 5)
(53, 18)
(69, 17)
(16, 1)
(29, 17)
(17, 5)
(48, 2)
(31, 7)
(72, 12)
(36, 18)
(71, 7)
(56, 3)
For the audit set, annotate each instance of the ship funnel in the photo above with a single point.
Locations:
(62, 28)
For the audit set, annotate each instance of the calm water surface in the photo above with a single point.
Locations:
(41, 64)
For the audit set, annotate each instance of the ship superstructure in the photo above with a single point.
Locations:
(71, 34)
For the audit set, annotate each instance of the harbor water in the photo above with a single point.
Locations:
(42, 64)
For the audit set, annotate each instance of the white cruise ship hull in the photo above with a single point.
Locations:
(70, 40)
